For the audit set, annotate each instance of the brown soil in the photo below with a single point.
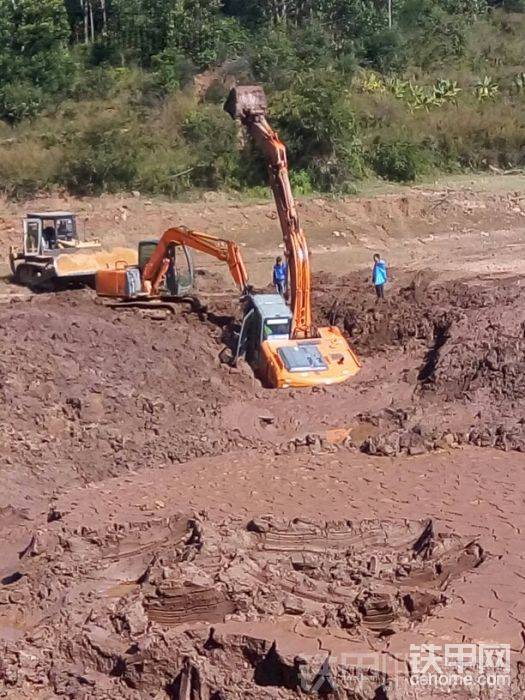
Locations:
(171, 529)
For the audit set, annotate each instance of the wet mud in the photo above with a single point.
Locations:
(152, 600)
(141, 607)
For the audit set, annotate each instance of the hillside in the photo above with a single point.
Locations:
(107, 95)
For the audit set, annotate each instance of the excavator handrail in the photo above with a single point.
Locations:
(249, 105)
(220, 248)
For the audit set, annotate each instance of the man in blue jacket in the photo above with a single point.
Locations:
(280, 273)
(379, 276)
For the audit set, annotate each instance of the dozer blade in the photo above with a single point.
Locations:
(246, 100)
(73, 264)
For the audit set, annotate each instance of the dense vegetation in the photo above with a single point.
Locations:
(108, 95)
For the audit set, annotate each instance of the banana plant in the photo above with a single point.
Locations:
(421, 98)
(397, 87)
(371, 82)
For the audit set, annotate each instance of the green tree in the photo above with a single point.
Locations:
(318, 126)
(34, 38)
(204, 34)
(432, 33)
(34, 59)
(142, 27)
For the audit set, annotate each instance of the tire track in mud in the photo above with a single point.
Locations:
(177, 575)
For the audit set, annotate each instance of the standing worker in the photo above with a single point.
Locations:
(379, 276)
(280, 273)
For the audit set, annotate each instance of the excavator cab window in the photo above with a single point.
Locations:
(180, 275)
(245, 339)
(276, 329)
(65, 229)
(146, 249)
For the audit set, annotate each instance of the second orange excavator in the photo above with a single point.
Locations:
(157, 275)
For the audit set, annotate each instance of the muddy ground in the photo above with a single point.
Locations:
(172, 529)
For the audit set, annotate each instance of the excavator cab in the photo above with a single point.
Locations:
(267, 318)
(180, 276)
(125, 281)
(279, 360)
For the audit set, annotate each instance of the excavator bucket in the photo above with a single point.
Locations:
(246, 100)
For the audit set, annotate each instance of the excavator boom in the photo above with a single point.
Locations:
(128, 283)
(248, 103)
(227, 251)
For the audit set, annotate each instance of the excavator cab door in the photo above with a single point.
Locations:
(184, 270)
(254, 339)
(32, 237)
(245, 339)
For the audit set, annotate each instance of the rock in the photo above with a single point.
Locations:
(311, 620)
(293, 605)
(132, 619)
(258, 525)
(419, 449)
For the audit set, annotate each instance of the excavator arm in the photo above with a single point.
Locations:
(248, 103)
(226, 251)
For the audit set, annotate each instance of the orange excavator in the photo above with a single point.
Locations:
(157, 275)
(280, 342)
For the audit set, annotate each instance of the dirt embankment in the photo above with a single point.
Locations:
(476, 224)
(468, 343)
(88, 392)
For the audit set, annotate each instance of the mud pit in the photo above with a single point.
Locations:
(139, 471)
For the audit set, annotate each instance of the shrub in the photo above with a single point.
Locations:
(164, 170)
(100, 82)
(26, 167)
(103, 158)
(172, 69)
(397, 161)
(514, 5)
(212, 138)
(385, 51)
(20, 101)
(274, 58)
(301, 182)
(319, 129)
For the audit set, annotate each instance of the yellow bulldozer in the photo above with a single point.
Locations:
(52, 253)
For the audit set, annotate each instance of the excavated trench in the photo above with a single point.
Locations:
(108, 391)
(467, 344)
